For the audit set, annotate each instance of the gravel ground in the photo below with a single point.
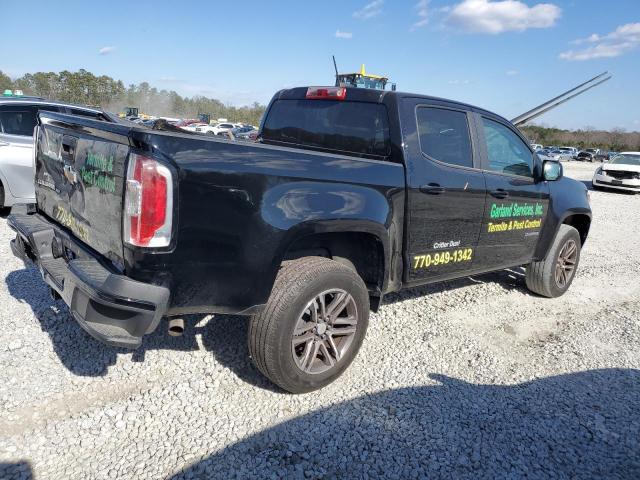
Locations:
(475, 378)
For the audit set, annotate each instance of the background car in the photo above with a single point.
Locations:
(570, 152)
(244, 133)
(555, 154)
(18, 118)
(217, 129)
(193, 127)
(585, 156)
(622, 172)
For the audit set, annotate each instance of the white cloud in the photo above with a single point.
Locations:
(511, 73)
(106, 50)
(622, 40)
(370, 10)
(168, 79)
(487, 16)
(344, 35)
(458, 82)
(422, 8)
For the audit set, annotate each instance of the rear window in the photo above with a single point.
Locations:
(355, 128)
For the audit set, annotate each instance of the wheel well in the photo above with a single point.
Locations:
(363, 250)
(580, 223)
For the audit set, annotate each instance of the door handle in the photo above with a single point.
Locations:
(499, 193)
(432, 189)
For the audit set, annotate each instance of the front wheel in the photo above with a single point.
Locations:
(312, 326)
(552, 276)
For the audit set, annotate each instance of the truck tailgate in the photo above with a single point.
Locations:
(80, 174)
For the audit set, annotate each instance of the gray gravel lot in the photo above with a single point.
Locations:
(474, 378)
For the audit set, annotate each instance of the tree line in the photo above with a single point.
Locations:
(85, 88)
(616, 140)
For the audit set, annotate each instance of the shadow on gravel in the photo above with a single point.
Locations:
(225, 335)
(582, 425)
(4, 212)
(16, 471)
(588, 184)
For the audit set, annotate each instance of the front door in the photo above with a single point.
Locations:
(446, 191)
(517, 197)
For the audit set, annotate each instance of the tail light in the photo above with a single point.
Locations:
(326, 93)
(148, 203)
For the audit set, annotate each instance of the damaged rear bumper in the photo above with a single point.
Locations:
(111, 307)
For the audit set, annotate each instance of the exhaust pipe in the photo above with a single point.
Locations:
(176, 327)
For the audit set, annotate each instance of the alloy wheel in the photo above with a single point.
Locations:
(566, 264)
(324, 331)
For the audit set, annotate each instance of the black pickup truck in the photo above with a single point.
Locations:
(349, 194)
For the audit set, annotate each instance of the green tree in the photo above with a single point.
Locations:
(5, 82)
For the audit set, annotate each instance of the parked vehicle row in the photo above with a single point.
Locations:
(572, 153)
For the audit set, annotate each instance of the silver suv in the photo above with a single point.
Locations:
(17, 121)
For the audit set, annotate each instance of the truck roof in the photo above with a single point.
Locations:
(379, 96)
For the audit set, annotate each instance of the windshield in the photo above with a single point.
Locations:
(626, 160)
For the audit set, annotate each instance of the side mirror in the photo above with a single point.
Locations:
(551, 170)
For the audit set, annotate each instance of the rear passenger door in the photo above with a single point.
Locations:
(517, 196)
(446, 190)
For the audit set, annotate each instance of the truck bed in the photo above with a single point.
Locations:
(238, 206)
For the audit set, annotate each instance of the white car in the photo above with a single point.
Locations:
(192, 127)
(17, 120)
(568, 153)
(217, 129)
(622, 172)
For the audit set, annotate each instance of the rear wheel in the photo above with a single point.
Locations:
(553, 276)
(312, 326)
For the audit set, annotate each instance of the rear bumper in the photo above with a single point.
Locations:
(110, 307)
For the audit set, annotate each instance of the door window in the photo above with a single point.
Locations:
(21, 119)
(506, 151)
(444, 135)
(18, 120)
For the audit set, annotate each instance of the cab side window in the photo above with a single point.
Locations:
(506, 151)
(444, 135)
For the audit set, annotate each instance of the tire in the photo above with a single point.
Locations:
(1, 196)
(541, 276)
(280, 354)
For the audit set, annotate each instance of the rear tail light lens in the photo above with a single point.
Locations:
(148, 203)
(326, 93)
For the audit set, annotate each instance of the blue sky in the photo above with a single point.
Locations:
(506, 56)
